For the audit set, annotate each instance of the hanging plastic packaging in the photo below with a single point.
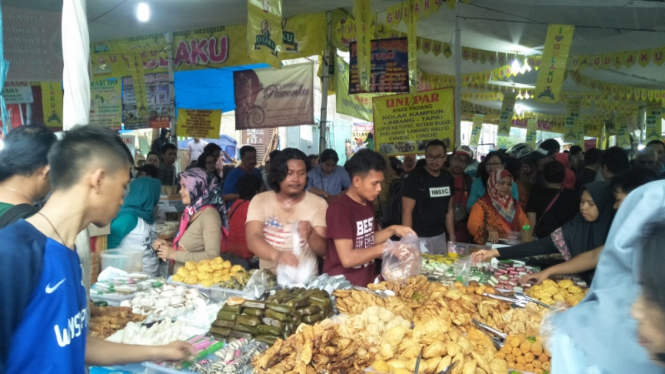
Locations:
(299, 275)
(401, 260)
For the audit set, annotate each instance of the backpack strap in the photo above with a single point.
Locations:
(17, 212)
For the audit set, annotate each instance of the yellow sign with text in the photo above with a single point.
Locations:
(52, 104)
(198, 123)
(404, 124)
(106, 103)
(354, 105)
(554, 63)
(264, 31)
(476, 129)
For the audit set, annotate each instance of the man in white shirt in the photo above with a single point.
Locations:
(195, 149)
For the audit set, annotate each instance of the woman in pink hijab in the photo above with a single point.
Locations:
(569, 179)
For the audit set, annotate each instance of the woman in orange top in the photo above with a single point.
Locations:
(497, 213)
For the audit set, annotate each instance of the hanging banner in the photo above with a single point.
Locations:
(507, 110)
(303, 35)
(476, 129)
(390, 69)
(363, 20)
(622, 131)
(157, 91)
(654, 122)
(355, 105)
(531, 131)
(404, 124)
(264, 31)
(52, 104)
(17, 93)
(32, 42)
(555, 60)
(412, 34)
(274, 98)
(572, 122)
(138, 85)
(197, 123)
(106, 103)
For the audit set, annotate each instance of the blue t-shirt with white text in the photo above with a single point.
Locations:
(44, 316)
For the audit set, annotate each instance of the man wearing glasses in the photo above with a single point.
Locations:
(427, 200)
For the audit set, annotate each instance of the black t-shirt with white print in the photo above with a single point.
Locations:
(432, 195)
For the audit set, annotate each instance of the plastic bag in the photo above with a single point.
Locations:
(401, 260)
(260, 282)
(462, 270)
(289, 275)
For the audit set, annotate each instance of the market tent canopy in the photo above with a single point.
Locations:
(207, 88)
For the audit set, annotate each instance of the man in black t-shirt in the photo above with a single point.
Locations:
(427, 200)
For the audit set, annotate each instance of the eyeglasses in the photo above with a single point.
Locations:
(435, 158)
(493, 164)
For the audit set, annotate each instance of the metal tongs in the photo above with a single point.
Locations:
(449, 368)
(518, 299)
(498, 338)
(380, 293)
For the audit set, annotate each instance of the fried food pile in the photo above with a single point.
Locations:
(314, 349)
(525, 354)
(370, 327)
(442, 345)
(355, 302)
(105, 321)
(209, 272)
(414, 292)
(550, 291)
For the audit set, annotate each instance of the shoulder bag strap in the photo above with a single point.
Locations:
(549, 206)
(236, 208)
(16, 212)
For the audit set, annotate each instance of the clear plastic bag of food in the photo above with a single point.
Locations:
(401, 260)
(462, 270)
(260, 282)
(289, 275)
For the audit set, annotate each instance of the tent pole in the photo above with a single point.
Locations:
(76, 56)
(458, 79)
(324, 88)
(169, 50)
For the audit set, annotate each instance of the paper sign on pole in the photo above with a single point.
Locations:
(623, 134)
(363, 19)
(476, 129)
(404, 124)
(274, 98)
(554, 63)
(654, 125)
(531, 129)
(198, 123)
(17, 93)
(52, 104)
(106, 103)
(264, 31)
(507, 110)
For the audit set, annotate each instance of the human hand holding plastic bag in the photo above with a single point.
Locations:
(302, 272)
(401, 260)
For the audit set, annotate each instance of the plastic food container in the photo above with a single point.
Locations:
(129, 260)
(217, 294)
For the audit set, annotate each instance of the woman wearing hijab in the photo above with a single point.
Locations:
(159, 143)
(199, 235)
(569, 179)
(493, 162)
(497, 213)
(134, 226)
(587, 231)
(599, 335)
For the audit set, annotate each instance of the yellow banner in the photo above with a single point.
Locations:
(507, 111)
(264, 31)
(304, 35)
(110, 59)
(531, 131)
(403, 124)
(654, 124)
(412, 34)
(52, 104)
(476, 129)
(356, 105)
(198, 123)
(106, 103)
(555, 60)
(363, 20)
(138, 83)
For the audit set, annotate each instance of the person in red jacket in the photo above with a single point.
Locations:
(236, 249)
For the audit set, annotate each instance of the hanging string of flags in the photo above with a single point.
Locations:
(619, 91)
